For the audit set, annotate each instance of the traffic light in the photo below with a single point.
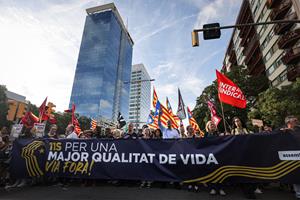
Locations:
(22, 108)
(12, 109)
(211, 34)
(195, 39)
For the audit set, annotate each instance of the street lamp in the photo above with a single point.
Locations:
(136, 113)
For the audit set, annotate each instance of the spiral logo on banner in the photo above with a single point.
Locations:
(265, 173)
(28, 153)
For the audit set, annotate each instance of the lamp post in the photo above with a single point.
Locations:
(137, 98)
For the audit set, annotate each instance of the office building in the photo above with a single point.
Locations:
(104, 64)
(140, 95)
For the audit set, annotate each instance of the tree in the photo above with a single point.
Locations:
(251, 87)
(275, 104)
(85, 122)
(3, 107)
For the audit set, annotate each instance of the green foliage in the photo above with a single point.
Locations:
(3, 107)
(274, 104)
(85, 122)
(63, 119)
(251, 87)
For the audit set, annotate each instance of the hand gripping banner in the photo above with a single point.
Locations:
(242, 158)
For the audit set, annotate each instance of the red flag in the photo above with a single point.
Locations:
(29, 119)
(213, 113)
(42, 109)
(74, 120)
(229, 92)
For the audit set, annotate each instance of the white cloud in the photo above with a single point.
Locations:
(39, 51)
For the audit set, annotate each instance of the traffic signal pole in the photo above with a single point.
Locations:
(195, 39)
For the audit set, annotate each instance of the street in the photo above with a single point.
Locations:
(113, 192)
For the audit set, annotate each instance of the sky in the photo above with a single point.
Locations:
(40, 41)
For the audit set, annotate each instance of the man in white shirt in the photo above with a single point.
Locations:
(70, 132)
(168, 133)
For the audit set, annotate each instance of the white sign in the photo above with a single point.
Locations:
(289, 155)
(16, 130)
(40, 129)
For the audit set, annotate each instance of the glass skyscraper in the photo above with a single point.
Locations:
(104, 65)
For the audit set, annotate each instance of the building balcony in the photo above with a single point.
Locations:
(284, 27)
(249, 34)
(279, 12)
(272, 3)
(255, 61)
(250, 49)
(292, 56)
(289, 39)
(232, 56)
(293, 72)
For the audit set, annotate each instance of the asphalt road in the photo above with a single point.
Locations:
(130, 193)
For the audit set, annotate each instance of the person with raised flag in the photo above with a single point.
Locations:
(229, 92)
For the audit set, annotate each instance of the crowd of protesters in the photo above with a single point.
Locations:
(211, 130)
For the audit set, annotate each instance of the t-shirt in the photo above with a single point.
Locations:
(170, 133)
(73, 135)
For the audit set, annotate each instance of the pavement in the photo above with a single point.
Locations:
(110, 192)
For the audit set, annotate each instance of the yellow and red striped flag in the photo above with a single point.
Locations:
(193, 122)
(93, 124)
(165, 115)
(155, 98)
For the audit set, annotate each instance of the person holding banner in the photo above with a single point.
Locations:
(131, 134)
(212, 131)
(52, 132)
(291, 125)
(190, 131)
(70, 132)
(238, 128)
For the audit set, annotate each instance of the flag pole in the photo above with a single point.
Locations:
(223, 117)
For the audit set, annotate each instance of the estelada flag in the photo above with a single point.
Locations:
(229, 92)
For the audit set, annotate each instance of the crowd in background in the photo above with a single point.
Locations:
(211, 130)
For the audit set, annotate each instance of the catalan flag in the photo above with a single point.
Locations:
(155, 98)
(152, 121)
(93, 124)
(165, 115)
(176, 118)
(193, 122)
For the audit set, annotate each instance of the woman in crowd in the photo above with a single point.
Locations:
(146, 135)
(157, 134)
(212, 131)
(249, 189)
(238, 128)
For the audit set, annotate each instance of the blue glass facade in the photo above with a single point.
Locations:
(104, 64)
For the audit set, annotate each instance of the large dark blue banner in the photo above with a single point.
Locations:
(244, 158)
